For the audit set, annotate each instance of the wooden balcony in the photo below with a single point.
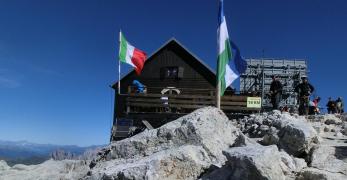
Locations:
(153, 101)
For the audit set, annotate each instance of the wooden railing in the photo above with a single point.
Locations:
(182, 103)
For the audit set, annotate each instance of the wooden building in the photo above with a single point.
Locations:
(176, 83)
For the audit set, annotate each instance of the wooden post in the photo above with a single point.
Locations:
(218, 95)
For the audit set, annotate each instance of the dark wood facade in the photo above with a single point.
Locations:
(195, 81)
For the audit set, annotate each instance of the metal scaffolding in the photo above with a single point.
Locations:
(258, 77)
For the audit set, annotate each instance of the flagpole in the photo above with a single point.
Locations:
(218, 95)
(120, 35)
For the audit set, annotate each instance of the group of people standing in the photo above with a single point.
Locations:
(304, 90)
(335, 106)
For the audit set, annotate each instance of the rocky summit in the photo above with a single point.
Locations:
(207, 145)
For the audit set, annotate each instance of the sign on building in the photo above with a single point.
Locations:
(254, 102)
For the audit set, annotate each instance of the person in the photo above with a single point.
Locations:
(304, 90)
(275, 92)
(139, 87)
(331, 106)
(339, 105)
(314, 109)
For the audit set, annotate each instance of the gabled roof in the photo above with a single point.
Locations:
(167, 43)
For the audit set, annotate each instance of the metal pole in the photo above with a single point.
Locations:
(263, 85)
(118, 76)
(120, 36)
(218, 95)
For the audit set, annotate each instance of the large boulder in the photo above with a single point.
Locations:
(207, 127)
(208, 130)
(297, 138)
(332, 159)
(52, 170)
(254, 162)
(185, 162)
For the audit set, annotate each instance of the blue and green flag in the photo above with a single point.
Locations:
(230, 63)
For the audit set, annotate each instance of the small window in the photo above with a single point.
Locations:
(172, 72)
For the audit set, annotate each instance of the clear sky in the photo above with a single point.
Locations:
(58, 57)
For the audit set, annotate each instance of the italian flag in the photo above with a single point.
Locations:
(226, 72)
(131, 55)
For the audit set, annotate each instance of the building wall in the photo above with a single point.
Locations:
(195, 75)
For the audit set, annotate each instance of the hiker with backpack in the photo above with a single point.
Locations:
(304, 90)
(331, 106)
(275, 92)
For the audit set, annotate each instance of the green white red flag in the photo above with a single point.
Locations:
(131, 55)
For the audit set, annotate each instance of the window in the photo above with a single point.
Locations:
(172, 72)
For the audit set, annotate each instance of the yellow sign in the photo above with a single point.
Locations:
(254, 102)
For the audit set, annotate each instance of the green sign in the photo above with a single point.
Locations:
(254, 102)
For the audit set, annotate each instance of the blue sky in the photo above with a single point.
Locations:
(58, 57)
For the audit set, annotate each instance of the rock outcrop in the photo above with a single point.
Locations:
(3, 166)
(291, 133)
(207, 145)
(331, 159)
(52, 170)
(196, 140)
(254, 162)
(297, 138)
(61, 155)
(318, 174)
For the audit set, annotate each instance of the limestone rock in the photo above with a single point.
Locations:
(242, 141)
(185, 162)
(270, 139)
(254, 162)
(332, 119)
(223, 173)
(60, 154)
(315, 174)
(290, 164)
(207, 127)
(52, 170)
(338, 134)
(297, 138)
(332, 159)
(181, 149)
(3, 166)
(320, 129)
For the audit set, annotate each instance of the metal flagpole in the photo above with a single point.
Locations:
(218, 95)
(120, 36)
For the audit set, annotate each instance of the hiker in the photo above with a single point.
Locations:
(314, 109)
(339, 105)
(331, 106)
(304, 90)
(275, 92)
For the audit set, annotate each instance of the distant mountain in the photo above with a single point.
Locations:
(24, 152)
